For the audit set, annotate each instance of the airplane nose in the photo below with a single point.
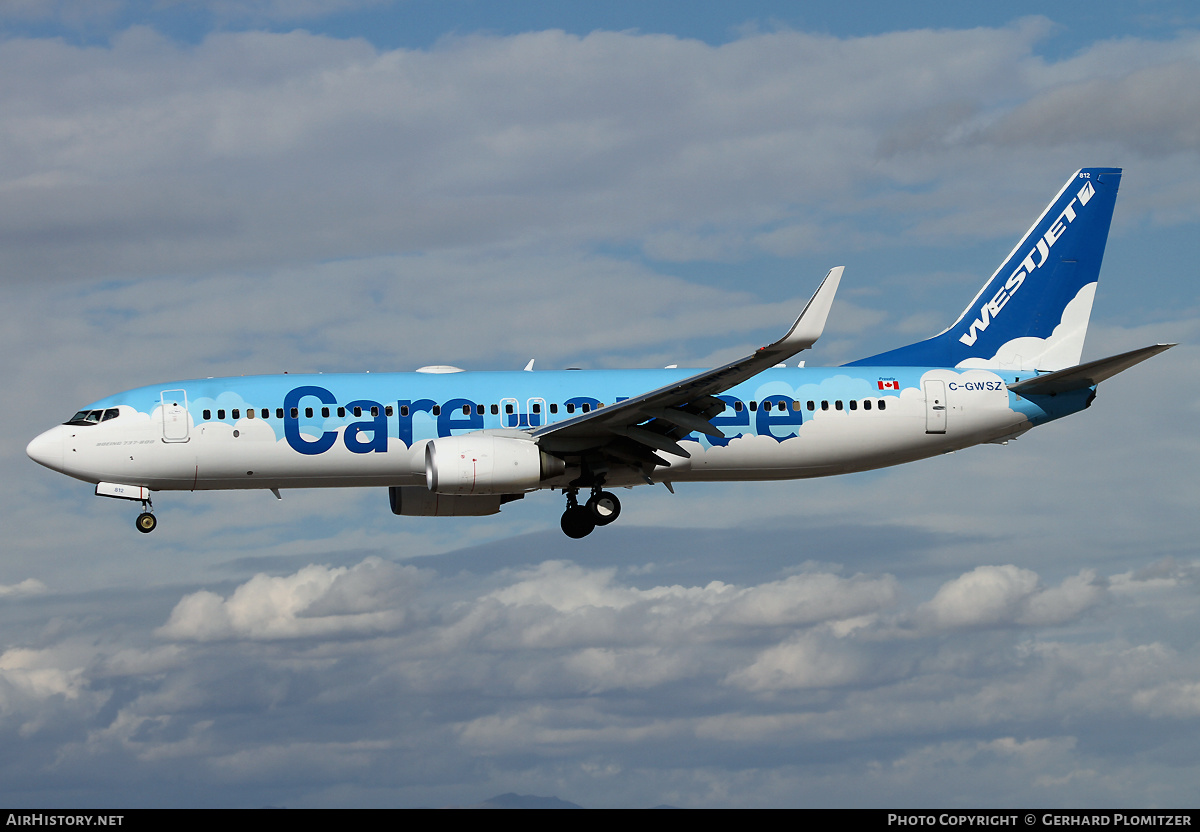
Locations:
(47, 449)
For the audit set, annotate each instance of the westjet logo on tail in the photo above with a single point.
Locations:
(991, 308)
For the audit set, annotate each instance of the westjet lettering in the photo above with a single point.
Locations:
(452, 443)
(992, 308)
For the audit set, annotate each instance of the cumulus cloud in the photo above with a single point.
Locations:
(807, 661)
(29, 586)
(990, 596)
(317, 600)
(812, 598)
(532, 667)
(35, 673)
(581, 606)
(1180, 700)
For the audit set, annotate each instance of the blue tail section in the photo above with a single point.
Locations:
(1033, 312)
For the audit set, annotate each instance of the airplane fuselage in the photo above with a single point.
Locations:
(301, 431)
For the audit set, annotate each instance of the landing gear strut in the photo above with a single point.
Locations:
(602, 508)
(146, 522)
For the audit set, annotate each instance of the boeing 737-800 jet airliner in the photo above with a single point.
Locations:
(452, 443)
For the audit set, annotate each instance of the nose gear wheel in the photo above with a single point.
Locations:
(146, 522)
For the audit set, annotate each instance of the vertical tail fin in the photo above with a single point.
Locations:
(1033, 312)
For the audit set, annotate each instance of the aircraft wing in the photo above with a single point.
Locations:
(630, 431)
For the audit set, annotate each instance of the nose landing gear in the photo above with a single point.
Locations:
(602, 508)
(146, 522)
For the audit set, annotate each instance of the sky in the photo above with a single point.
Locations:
(235, 187)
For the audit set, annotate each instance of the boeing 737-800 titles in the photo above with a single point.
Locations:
(451, 443)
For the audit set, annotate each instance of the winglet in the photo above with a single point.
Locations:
(811, 323)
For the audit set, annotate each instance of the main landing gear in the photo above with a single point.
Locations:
(146, 522)
(602, 508)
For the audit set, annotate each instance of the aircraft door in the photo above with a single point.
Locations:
(935, 406)
(175, 415)
(509, 413)
(536, 410)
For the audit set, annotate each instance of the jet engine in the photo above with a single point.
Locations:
(480, 463)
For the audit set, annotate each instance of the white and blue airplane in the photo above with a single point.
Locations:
(451, 443)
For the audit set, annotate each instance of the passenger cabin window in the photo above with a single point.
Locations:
(570, 408)
(466, 410)
(404, 410)
(357, 411)
(324, 412)
(437, 410)
(220, 414)
(375, 410)
(207, 415)
(812, 405)
(279, 412)
(308, 412)
(824, 405)
(237, 413)
(553, 408)
(882, 404)
(866, 404)
(495, 410)
(266, 414)
(341, 413)
(838, 404)
(387, 411)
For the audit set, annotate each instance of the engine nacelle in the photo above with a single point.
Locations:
(415, 501)
(480, 463)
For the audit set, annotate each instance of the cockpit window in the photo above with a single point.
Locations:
(92, 417)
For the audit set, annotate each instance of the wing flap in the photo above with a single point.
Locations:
(688, 421)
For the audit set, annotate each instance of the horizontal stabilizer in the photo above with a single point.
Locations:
(1085, 375)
